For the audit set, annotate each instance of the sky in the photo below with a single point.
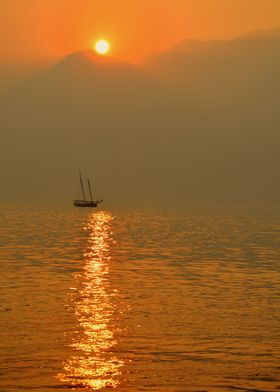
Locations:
(184, 126)
(39, 30)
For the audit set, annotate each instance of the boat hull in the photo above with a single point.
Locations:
(86, 204)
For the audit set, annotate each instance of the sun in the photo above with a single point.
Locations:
(102, 47)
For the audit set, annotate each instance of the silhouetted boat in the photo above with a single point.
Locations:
(86, 203)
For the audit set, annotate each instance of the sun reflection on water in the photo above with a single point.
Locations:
(93, 364)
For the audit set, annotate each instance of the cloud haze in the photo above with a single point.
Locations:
(199, 123)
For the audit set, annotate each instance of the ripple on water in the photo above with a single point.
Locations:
(139, 300)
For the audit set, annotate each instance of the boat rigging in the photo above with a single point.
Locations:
(86, 203)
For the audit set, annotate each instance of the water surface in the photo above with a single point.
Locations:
(139, 300)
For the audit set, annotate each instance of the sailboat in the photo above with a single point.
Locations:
(86, 203)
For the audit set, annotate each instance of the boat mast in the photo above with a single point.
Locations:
(81, 180)
(89, 188)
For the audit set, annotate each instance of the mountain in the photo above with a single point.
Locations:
(85, 82)
(236, 88)
(198, 123)
(84, 112)
(223, 72)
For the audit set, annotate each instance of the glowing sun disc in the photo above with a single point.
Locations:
(102, 46)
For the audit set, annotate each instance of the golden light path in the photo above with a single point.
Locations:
(93, 365)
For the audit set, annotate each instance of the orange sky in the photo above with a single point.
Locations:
(42, 29)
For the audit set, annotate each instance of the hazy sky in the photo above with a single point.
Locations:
(42, 29)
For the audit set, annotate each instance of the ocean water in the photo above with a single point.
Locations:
(139, 300)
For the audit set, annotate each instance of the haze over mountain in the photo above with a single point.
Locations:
(222, 70)
(84, 112)
(200, 123)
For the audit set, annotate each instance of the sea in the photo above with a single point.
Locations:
(139, 300)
